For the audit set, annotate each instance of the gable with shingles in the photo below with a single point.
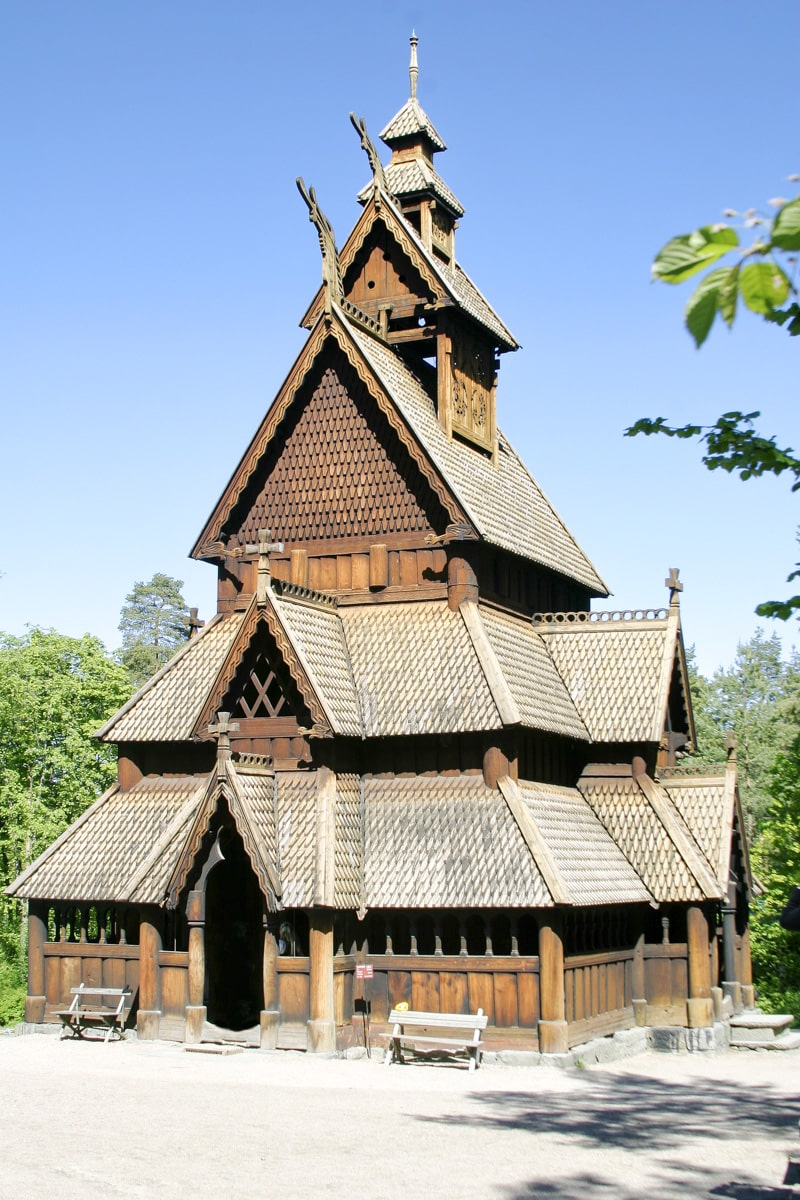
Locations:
(633, 824)
(167, 707)
(416, 671)
(613, 672)
(701, 803)
(537, 687)
(503, 502)
(99, 856)
(592, 865)
(437, 841)
(316, 632)
(333, 469)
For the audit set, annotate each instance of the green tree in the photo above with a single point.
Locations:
(756, 701)
(154, 624)
(55, 691)
(776, 860)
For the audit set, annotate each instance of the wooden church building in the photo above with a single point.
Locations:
(405, 740)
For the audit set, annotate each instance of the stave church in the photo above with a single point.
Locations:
(408, 740)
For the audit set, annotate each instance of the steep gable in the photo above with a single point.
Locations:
(335, 469)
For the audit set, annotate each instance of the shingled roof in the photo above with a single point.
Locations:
(593, 680)
(504, 503)
(416, 841)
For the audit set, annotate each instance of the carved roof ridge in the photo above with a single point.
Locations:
(297, 591)
(577, 620)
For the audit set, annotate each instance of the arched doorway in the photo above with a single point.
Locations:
(234, 937)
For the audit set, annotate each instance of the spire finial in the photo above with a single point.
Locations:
(675, 586)
(413, 70)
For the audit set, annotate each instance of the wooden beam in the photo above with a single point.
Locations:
(540, 851)
(490, 665)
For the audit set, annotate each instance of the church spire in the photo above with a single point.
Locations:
(413, 70)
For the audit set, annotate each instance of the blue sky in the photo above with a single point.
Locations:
(157, 259)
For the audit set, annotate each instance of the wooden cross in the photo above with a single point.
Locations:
(264, 548)
(222, 731)
(674, 584)
(195, 625)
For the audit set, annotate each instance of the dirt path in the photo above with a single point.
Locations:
(149, 1120)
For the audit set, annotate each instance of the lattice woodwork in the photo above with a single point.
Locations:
(338, 471)
(260, 690)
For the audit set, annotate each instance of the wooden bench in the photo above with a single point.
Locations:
(80, 1016)
(406, 1023)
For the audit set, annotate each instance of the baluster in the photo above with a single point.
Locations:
(389, 945)
(414, 944)
(514, 937)
(462, 937)
(62, 925)
(665, 931)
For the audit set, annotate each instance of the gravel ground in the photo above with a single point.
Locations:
(133, 1119)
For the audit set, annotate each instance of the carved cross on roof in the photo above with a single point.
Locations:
(674, 584)
(194, 623)
(264, 548)
(222, 731)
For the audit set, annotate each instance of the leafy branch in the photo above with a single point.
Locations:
(758, 278)
(733, 444)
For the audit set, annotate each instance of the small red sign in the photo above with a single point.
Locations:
(365, 971)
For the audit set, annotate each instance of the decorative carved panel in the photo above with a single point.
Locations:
(473, 383)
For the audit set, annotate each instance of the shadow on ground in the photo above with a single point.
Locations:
(664, 1126)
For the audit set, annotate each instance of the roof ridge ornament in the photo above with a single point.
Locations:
(675, 586)
(379, 181)
(413, 69)
(331, 271)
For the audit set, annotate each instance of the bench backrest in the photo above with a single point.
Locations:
(439, 1020)
(82, 990)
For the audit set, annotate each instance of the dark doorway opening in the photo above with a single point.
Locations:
(234, 938)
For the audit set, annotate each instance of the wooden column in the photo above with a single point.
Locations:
(462, 582)
(270, 1014)
(35, 1001)
(638, 985)
(149, 1016)
(552, 1002)
(196, 1011)
(746, 971)
(699, 1006)
(322, 1022)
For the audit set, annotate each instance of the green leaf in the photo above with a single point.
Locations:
(687, 254)
(702, 305)
(728, 293)
(786, 227)
(764, 286)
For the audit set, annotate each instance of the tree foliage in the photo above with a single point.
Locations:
(55, 691)
(776, 858)
(755, 700)
(763, 276)
(154, 624)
